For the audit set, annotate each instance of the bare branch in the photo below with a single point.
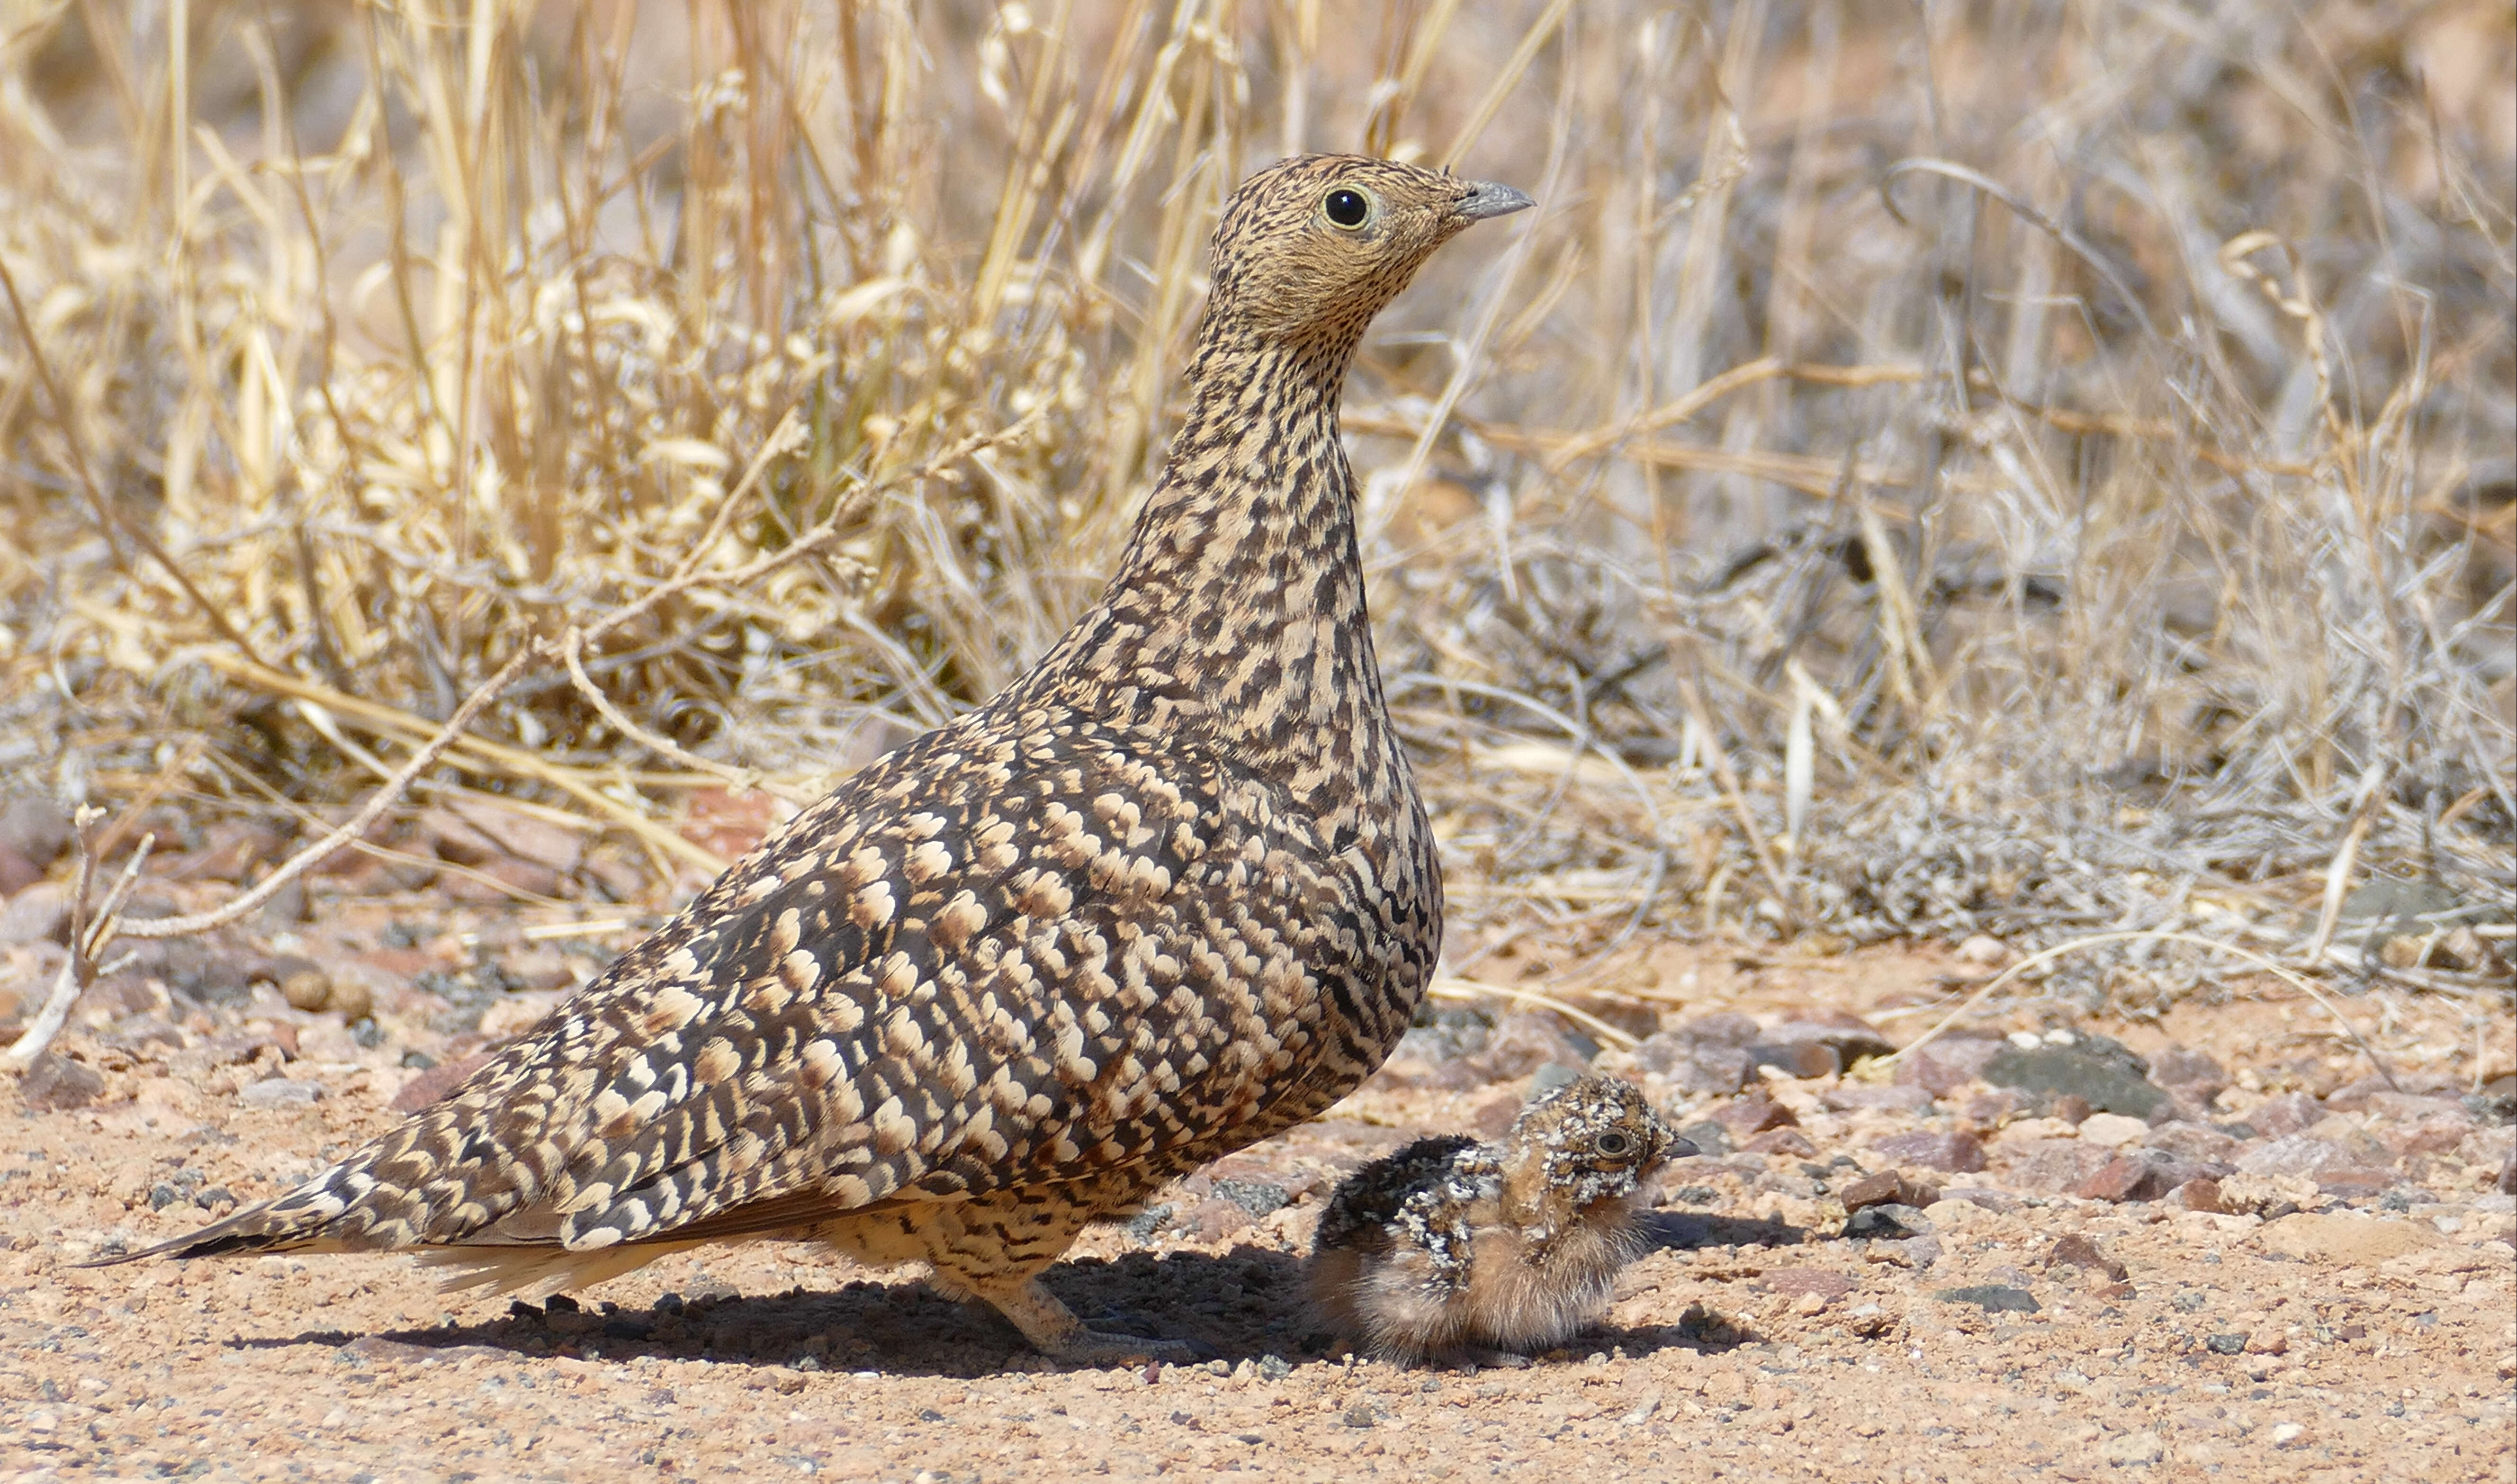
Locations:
(87, 944)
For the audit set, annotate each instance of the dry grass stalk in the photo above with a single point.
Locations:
(2042, 511)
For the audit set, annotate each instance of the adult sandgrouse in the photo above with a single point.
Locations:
(1170, 892)
(1451, 1247)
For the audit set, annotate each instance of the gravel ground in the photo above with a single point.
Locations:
(1987, 1265)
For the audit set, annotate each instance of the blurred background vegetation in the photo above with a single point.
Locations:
(1923, 470)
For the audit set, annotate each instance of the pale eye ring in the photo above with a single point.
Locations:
(1614, 1144)
(1347, 207)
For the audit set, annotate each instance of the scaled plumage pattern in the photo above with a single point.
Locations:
(1168, 893)
(1450, 1246)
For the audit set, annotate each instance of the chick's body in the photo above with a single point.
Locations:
(1168, 893)
(1450, 1246)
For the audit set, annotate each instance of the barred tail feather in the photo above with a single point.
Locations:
(537, 1272)
(297, 1221)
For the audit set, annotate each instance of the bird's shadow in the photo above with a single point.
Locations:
(1246, 1304)
(1688, 1230)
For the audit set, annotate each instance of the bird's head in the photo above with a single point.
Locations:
(1597, 1139)
(1311, 247)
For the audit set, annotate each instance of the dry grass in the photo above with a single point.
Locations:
(1923, 471)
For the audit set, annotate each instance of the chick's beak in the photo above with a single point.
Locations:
(1485, 198)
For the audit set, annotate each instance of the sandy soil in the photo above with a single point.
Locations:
(2011, 1328)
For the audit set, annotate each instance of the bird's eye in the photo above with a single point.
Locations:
(1612, 1144)
(1347, 207)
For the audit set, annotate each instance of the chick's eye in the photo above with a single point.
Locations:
(1347, 207)
(1614, 1144)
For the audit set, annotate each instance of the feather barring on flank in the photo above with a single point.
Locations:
(1168, 893)
(1450, 1248)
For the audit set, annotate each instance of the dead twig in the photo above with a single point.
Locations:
(88, 942)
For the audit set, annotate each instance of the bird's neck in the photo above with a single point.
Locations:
(1240, 599)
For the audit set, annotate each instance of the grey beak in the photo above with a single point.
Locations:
(1486, 199)
(1680, 1149)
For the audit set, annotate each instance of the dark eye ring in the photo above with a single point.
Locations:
(1347, 207)
(1614, 1143)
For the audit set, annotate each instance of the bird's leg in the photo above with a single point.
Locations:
(1053, 1329)
(994, 1247)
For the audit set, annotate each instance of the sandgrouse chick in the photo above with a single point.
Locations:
(1168, 893)
(1452, 1247)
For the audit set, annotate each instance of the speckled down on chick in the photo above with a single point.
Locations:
(1452, 1247)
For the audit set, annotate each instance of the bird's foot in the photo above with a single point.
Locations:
(1053, 1331)
(1100, 1347)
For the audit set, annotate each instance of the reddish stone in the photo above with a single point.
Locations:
(2353, 1183)
(2199, 1142)
(1781, 1141)
(1941, 1067)
(2052, 1165)
(729, 824)
(1753, 1113)
(1913, 1102)
(2365, 1093)
(36, 828)
(437, 1081)
(2126, 1177)
(1992, 1110)
(16, 872)
(230, 851)
(1797, 1058)
(55, 1084)
(1850, 1037)
(1527, 1039)
(1950, 1153)
(504, 879)
(2286, 1113)
(197, 1060)
(277, 1033)
(1213, 1220)
(2079, 1250)
(1888, 1187)
(2202, 1193)
(2300, 1154)
(2181, 1069)
(2409, 1125)
(1794, 1282)
(1722, 1028)
(40, 914)
(1493, 1114)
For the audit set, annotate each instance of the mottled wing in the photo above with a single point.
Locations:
(994, 959)
(1366, 1208)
